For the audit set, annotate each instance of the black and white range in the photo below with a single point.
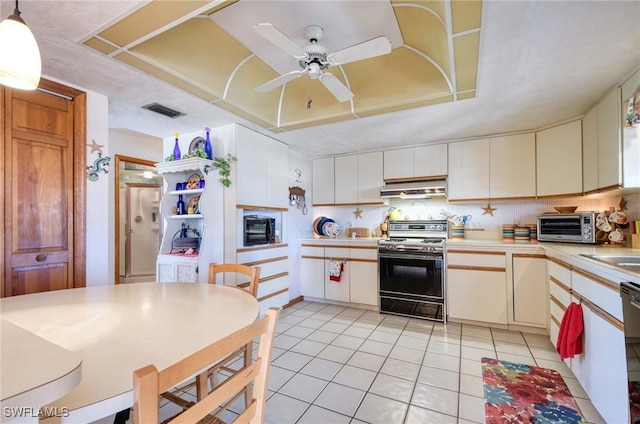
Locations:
(411, 268)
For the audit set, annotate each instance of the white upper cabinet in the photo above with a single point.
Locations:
(261, 170)
(559, 160)
(468, 170)
(512, 167)
(370, 179)
(590, 151)
(609, 146)
(323, 181)
(630, 135)
(346, 179)
(430, 161)
(415, 162)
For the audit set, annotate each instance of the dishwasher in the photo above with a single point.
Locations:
(630, 293)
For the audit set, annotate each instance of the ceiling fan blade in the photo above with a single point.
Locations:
(276, 82)
(336, 87)
(375, 47)
(274, 35)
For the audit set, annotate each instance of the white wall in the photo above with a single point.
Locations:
(297, 223)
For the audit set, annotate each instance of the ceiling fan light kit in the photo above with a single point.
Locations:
(20, 63)
(314, 58)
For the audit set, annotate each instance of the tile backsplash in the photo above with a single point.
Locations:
(506, 212)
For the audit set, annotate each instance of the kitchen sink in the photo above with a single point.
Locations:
(631, 262)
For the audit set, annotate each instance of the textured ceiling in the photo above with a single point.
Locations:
(540, 62)
(213, 53)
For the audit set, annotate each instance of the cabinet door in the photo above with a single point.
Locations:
(251, 171)
(323, 182)
(312, 277)
(398, 164)
(559, 160)
(336, 290)
(277, 175)
(590, 150)
(363, 275)
(530, 299)
(370, 177)
(346, 179)
(477, 295)
(609, 146)
(469, 170)
(602, 367)
(513, 168)
(429, 161)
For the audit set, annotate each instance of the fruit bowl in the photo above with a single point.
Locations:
(565, 209)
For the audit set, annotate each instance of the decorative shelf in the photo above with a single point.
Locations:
(187, 216)
(192, 191)
(183, 165)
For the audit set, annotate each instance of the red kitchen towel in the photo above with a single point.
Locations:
(335, 270)
(570, 335)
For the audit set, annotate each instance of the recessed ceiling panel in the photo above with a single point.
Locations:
(149, 18)
(197, 49)
(466, 56)
(437, 6)
(100, 45)
(466, 15)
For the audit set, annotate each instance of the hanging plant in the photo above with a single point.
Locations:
(223, 165)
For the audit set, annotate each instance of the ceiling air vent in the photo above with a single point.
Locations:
(163, 110)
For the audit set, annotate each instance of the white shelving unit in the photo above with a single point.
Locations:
(171, 265)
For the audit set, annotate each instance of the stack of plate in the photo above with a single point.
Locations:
(323, 226)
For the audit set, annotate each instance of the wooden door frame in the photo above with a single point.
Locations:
(79, 169)
(118, 159)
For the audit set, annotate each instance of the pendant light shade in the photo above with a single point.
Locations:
(20, 64)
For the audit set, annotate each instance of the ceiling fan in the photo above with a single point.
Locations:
(314, 59)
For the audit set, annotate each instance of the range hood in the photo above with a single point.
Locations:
(414, 190)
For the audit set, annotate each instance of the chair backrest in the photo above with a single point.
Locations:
(149, 383)
(253, 272)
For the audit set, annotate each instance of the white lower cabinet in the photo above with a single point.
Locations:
(312, 271)
(529, 275)
(477, 285)
(358, 280)
(171, 269)
(602, 368)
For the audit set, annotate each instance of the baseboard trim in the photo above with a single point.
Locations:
(293, 302)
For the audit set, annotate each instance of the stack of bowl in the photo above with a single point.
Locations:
(457, 232)
(521, 234)
(508, 232)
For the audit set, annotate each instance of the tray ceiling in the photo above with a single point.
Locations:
(213, 53)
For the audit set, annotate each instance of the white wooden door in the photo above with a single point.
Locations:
(251, 171)
(469, 170)
(398, 164)
(312, 277)
(513, 169)
(609, 145)
(430, 161)
(277, 175)
(559, 160)
(530, 298)
(370, 178)
(590, 150)
(346, 179)
(323, 182)
(477, 295)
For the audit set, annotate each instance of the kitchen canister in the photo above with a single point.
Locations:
(533, 233)
(457, 232)
(521, 234)
(508, 232)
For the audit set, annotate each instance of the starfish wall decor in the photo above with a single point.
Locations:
(95, 147)
(358, 213)
(488, 210)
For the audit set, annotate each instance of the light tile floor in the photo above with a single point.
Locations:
(334, 364)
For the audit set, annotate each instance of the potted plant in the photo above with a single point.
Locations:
(223, 164)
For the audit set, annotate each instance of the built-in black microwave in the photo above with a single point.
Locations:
(259, 230)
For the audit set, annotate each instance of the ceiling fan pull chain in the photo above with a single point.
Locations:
(309, 99)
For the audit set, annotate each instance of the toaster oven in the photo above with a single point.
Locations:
(577, 227)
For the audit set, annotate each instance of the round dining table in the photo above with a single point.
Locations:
(112, 330)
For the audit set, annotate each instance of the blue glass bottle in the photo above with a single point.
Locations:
(176, 148)
(181, 206)
(208, 149)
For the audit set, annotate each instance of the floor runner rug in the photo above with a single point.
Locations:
(634, 401)
(524, 394)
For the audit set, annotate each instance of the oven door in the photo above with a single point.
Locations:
(412, 285)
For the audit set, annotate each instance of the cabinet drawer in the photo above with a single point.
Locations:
(598, 290)
(365, 253)
(313, 251)
(560, 272)
(556, 311)
(336, 253)
(477, 259)
(560, 292)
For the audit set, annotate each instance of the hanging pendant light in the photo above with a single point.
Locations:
(20, 64)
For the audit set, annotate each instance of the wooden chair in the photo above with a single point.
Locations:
(253, 272)
(149, 383)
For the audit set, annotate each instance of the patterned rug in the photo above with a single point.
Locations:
(634, 401)
(524, 394)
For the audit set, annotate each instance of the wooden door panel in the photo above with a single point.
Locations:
(41, 186)
(37, 279)
(39, 181)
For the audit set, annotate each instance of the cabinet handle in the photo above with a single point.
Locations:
(41, 258)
